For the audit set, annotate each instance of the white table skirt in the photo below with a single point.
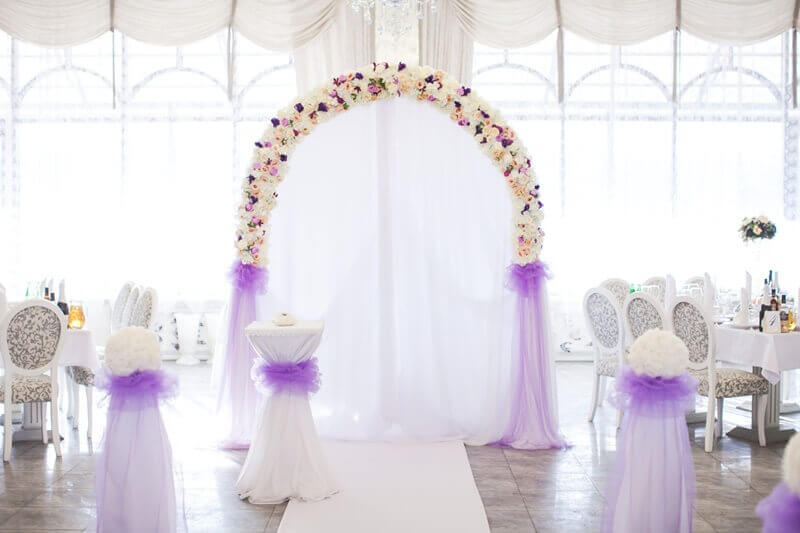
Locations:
(285, 459)
(774, 353)
(78, 349)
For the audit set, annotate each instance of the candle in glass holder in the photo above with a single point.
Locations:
(76, 319)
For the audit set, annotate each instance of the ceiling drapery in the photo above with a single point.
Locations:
(284, 25)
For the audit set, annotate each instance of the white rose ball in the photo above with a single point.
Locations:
(791, 464)
(131, 349)
(659, 353)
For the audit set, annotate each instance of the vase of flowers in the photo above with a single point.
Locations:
(756, 232)
(758, 228)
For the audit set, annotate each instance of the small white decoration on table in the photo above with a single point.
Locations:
(284, 319)
(742, 317)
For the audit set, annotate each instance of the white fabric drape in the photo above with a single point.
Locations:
(346, 43)
(283, 25)
(402, 251)
(445, 44)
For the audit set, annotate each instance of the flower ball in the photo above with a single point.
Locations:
(659, 353)
(131, 349)
(791, 464)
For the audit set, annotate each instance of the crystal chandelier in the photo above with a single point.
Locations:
(396, 20)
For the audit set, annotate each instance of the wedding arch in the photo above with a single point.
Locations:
(532, 421)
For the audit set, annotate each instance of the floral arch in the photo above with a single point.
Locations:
(532, 420)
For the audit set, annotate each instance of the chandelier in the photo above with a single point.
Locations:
(396, 20)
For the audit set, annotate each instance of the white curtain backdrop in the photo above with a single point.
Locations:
(395, 229)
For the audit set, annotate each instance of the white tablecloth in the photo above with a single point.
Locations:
(773, 352)
(285, 459)
(78, 349)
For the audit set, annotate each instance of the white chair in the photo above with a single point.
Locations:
(618, 287)
(31, 337)
(692, 324)
(604, 321)
(3, 300)
(642, 313)
(119, 306)
(130, 304)
(660, 283)
(145, 309)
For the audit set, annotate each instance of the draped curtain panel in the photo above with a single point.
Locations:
(284, 25)
(346, 43)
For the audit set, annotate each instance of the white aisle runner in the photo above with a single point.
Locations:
(387, 488)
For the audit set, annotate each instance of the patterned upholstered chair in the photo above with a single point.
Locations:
(692, 324)
(145, 309)
(31, 336)
(660, 283)
(604, 321)
(119, 306)
(642, 312)
(618, 287)
(130, 304)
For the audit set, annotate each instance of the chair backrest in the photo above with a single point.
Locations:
(661, 283)
(3, 300)
(691, 323)
(145, 309)
(119, 305)
(31, 336)
(642, 313)
(619, 288)
(130, 305)
(604, 320)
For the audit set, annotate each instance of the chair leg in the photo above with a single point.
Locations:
(42, 407)
(718, 429)
(68, 389)
(54, 424)
(602, 393)
(595, 388)
(8, 429)
(89, 409)
(762, 419)
(76, 413)
(710, 425)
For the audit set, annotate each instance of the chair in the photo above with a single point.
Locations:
(130, 304)
(31, 337)
(604, 321)
(692, 324)
(618, 287)
(3, 300)
(145, 309)
(119, 306)
(659, 282)
(642, 312)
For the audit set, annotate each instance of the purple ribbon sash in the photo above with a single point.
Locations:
(293, 378)
(654, 396)
(141, 389)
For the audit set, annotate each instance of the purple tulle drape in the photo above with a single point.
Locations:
(780, 511)
(134, 483)
(652, 483)
(533, 422)
(284, 376)
(237, 398)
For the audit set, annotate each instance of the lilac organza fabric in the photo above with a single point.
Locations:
(780, 511)
(533, 422)
(237, 398)
(284, 376)
(134, 483)
(652, 484)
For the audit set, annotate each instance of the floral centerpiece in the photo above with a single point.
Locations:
(757, 228)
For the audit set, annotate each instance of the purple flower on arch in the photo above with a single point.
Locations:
(401, 66)
(299, 107)
(322, 107)
(506, 143)
(429, 79)
(463, 91)
(283, 157)
(275, 122)
(359, 76)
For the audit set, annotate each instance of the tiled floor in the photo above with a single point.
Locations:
(557, 491)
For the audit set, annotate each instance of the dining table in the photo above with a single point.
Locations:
(768, 354)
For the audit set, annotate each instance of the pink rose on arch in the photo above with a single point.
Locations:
(248, 207)
(254, 250)
(373, 89)
(273, 171)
